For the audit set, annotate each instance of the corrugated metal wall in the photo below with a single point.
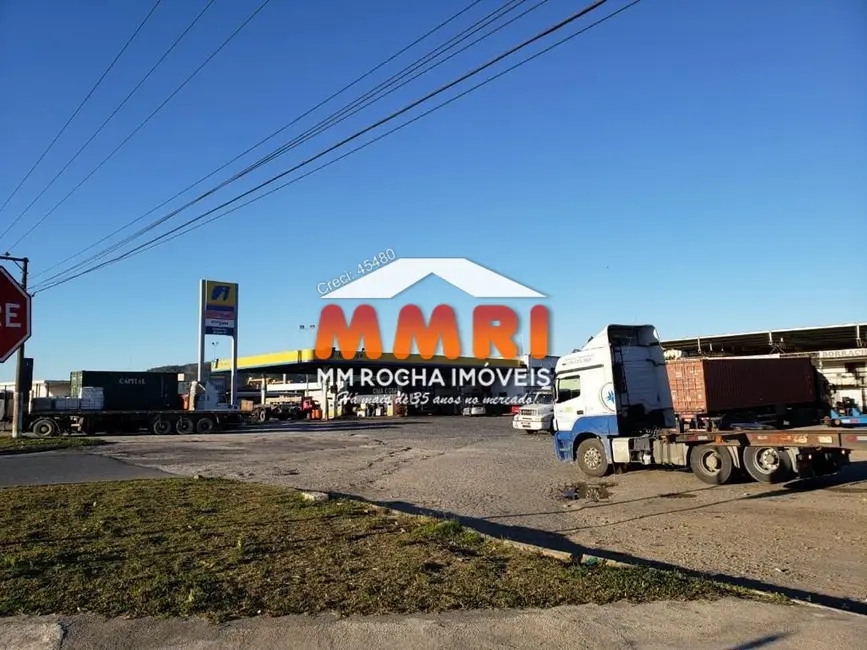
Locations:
(715, 385)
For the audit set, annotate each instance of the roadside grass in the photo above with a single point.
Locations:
(10, 445)
(224, 549)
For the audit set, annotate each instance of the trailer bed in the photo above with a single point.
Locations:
(812, 437)
(141, 412)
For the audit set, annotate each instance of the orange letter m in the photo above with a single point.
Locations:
(443, 325)
(364, 325)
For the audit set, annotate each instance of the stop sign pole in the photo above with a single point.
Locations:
(19, 399)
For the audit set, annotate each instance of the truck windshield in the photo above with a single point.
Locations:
(543, 398)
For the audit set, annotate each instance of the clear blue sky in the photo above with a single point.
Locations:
(701, 166)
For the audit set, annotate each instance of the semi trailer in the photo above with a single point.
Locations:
(613, 408)
(128, 402)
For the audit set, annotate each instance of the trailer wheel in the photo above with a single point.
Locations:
(591, 458)
(160, 427)
(768, 464)
(45, 428)
(205, 425)
(711, 464)
(184, 425)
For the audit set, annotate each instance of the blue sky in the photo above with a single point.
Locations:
(699, 166)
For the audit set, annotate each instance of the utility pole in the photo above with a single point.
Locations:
(18, 400)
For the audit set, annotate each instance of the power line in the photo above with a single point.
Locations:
(80, 106)
(315, 130)
(166, 236)
(145, 121)
(109, 118)
(322, 126)
(263, 140)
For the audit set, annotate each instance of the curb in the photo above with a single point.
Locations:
(588, 559)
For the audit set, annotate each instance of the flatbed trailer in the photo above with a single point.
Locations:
(768, 456)
(46, 423)
(613, 408)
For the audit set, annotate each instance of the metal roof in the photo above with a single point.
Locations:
(801, 339)
(290, 361)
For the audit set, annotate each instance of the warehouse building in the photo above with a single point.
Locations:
(839, 352)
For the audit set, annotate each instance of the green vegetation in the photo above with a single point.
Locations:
(9, 445)
(223, 549)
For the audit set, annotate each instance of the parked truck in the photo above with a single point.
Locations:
(127, 402)
(613, 408)
(538, 414)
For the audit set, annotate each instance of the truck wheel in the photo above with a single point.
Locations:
(768, 464)
(712, 464)
(160, 427)
(45, 428)
(184, 425)
(591, 458)
(204, 425)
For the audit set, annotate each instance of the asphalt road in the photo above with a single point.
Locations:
(807, 539)
(68, 466)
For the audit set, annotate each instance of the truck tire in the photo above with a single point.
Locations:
(160, 427)
(184, 425)
(205, 425)
(768, 464)
(45, 428)
(712, 464)
(591, 458)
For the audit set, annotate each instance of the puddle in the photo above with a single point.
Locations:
(590, 492)
(677, 495)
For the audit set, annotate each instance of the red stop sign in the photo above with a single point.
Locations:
(14, 315)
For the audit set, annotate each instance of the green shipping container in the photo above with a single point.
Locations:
(130, 390)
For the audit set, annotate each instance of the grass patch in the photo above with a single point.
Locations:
(222, 549)
(10, 445)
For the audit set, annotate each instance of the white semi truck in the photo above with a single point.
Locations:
(613, 408)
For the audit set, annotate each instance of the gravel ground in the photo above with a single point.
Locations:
(808, 539)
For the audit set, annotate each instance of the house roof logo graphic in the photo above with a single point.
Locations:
(398, 276)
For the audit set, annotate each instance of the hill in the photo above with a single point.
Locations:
(190, 369)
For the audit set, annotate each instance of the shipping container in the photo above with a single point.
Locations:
(716, 386)
(129, 390)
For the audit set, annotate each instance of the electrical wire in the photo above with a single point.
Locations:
(109, 118)
(255, 146)
(309, 134)
(80, 106)
(332, 120)
(145, 121)
(172, 234)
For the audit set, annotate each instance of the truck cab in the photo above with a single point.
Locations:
(615, 386)
(538, 414)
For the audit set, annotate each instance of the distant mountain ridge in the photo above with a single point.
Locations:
(187, 369)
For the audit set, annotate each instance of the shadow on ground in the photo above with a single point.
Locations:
(761, 642)
(557, 540)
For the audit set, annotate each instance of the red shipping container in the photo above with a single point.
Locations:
(712, 386)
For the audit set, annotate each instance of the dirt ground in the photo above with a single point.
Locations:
(806, 537)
